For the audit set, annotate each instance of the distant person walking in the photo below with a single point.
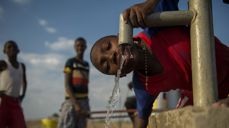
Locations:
(76, 105)
(12, 82)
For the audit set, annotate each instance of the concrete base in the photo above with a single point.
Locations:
(191, 117)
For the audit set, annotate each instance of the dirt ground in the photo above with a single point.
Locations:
(91, 124)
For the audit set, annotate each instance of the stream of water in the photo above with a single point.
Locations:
(114, 99)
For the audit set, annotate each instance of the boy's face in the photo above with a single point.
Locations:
(80, 47)
(105, 56)
(11, 49)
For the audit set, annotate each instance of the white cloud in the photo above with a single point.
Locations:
(104, 84)
(46, 81)
(48, 85)
(50, 29)
(43, 23)
(44, 61)
(61, 44)
(22, 2)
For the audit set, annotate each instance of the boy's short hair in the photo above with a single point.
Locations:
(81, 39)
(8, 42)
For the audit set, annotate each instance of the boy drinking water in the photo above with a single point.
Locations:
(160, 63)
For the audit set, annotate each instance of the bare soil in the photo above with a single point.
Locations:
(91, 124)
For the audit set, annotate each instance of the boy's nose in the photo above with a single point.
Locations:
(111, 56)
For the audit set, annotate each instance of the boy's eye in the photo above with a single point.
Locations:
(109, 45)
(106, 46)
(105, 65)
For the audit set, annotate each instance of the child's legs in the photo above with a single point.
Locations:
(82, 119)
(16, 118)
(130, 103)
(3, 112)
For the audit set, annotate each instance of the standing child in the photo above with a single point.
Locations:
(76, 105)
(12, 80)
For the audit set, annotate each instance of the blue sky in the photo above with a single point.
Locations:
(45, 31)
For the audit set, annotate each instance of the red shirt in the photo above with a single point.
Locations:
(172, 48)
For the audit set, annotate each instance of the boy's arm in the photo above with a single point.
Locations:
(24, 86)
(69, 91)
(144, 105)
(136, 14)
(226, 1)
(140, 123)
(144, 108)
(150, 5)
(3, 65)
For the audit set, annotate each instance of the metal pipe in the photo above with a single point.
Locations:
(203, 54)
(115, 111)
(202, 45)
(169, 18)
(103, 117)
(125, 35)
(128, 110)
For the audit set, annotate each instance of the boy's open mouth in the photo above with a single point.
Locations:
(127, 56)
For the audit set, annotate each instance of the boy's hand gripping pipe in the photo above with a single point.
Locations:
(167, 18)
